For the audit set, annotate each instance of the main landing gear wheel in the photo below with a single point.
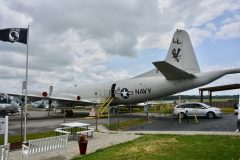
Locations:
(69, 113)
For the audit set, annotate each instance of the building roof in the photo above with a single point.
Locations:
(220, 88)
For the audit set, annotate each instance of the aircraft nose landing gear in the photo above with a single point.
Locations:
(68, 113)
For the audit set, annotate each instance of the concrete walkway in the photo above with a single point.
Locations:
(106, 138)
(236, 133)
(100, 140)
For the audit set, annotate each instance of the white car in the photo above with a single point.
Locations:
(198, 109)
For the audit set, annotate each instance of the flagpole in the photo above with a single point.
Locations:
(26, 91)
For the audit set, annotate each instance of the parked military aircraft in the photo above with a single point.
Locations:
(8, 105)
(177, 73)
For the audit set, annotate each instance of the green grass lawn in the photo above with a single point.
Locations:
(124, 125)
(172, 147)
(17, 138)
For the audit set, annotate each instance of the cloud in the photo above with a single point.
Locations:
(12, 18)
(231, 19)
(75, 41)
(229, 30)
(119, 44)
(9, 73)
(210, 10)
(198, 35)
(211, 27)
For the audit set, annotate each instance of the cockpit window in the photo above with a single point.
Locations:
(3, 100)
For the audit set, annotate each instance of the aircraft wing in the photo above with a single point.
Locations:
(70, 101)
(32, 97)
(171, 72)
(64, 99)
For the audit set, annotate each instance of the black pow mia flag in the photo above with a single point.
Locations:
(14, 35)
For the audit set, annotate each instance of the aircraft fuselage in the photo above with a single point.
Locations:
(137, 90)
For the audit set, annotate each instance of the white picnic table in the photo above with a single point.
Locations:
(80, 125)
(75, 125)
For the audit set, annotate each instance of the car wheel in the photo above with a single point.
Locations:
(182, 115)
(238, 125)
(210, 115)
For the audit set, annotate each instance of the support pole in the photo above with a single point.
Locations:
(26, 91)
(96, 116)
(131, 114)
(108, 117)
(6, 131)
(118, 115)
(64, 115)
(147, 111)
(180, 118)
(22, 109)
(195, 117)
(210, 98)
(179, 98)
(201, 94)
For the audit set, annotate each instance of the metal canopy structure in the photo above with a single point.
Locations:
(217, 88)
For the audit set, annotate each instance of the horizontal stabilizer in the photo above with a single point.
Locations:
(171, 72)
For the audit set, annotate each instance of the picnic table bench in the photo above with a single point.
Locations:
(61, 131)
(88, 130)
(38, 146)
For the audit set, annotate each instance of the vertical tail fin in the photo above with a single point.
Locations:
(181, 53)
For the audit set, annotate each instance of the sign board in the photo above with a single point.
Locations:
(2, 125)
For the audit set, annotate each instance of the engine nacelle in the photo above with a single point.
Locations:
(44, 94)
(38, 93)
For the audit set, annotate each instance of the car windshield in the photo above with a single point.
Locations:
(203, 106)
(207, 106)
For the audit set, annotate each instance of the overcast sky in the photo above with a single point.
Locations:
(90, 41)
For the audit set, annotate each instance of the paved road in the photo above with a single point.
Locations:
(39, 121)
(170, 123)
